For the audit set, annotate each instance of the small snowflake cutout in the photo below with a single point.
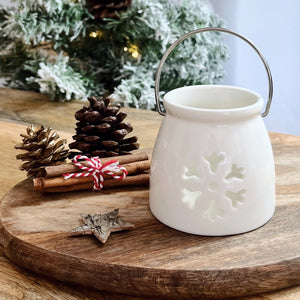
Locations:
(214, 189)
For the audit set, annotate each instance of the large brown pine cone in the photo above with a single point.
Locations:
(101, 130)
(43, 148)
(107, 8)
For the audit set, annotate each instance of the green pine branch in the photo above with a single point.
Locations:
(56, 47)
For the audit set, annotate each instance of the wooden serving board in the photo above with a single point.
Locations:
(149, 260)
(152, 259)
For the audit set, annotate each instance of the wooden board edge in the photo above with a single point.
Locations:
(177, 284)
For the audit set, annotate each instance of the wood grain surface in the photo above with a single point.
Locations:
(152, 259)
(272, 249)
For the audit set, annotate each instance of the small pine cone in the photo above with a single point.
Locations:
(107, 8)
(42, 149)
(101, 130)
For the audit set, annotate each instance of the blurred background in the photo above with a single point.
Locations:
(272, 25)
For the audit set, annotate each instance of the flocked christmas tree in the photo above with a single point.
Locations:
(73, 49)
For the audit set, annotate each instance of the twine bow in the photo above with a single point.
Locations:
(96, 169)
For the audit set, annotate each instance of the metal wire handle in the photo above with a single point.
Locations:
(182, 38)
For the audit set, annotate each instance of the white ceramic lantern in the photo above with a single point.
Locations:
(212, 170)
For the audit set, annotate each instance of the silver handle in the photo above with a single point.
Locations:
(182, 38)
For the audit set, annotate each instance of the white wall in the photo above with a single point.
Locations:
(274, 27)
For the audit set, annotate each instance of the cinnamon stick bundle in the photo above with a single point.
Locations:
(140, 179)
(53, 171)
(136, 165)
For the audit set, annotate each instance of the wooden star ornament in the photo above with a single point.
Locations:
(101, 225)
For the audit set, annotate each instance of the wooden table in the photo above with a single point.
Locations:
(17, 109)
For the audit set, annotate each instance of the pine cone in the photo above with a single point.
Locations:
(43, 149)
(101, 130)
(107, 8)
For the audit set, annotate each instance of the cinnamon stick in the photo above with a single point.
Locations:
(140, 180)
(42, 182)
(54, 171)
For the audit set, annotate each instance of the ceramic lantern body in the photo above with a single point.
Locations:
(212, 169)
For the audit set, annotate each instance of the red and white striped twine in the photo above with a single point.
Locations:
(96, 169)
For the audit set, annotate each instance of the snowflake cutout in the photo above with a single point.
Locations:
(217, 182)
